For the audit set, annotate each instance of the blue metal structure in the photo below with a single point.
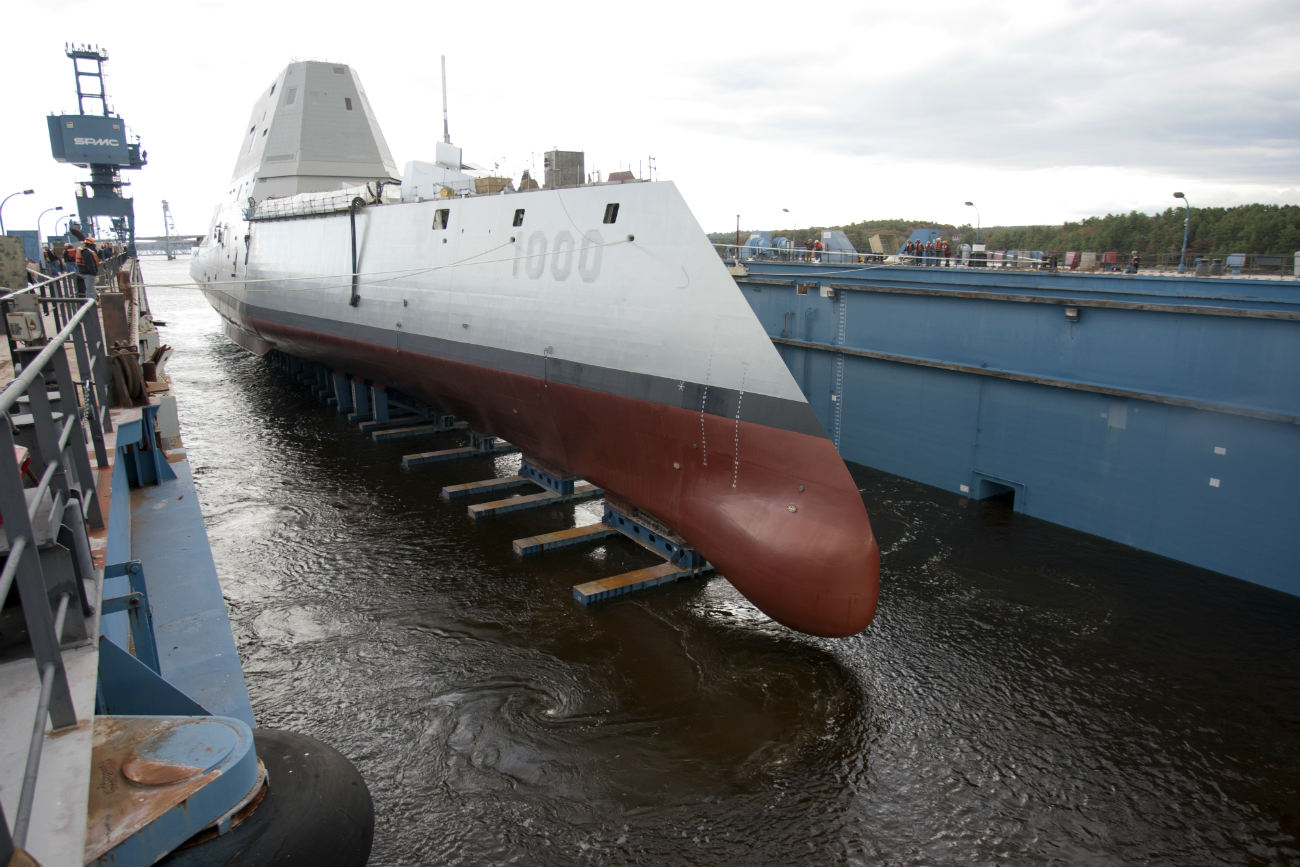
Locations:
(125, 672)
(758, 245)
(836, 247)
(100, 143)
(1159, 411)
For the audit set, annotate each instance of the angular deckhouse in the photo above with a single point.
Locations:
(592, 326)
(313, 131)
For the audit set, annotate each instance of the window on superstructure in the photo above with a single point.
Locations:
(519, 217)
(290, 95)
(611, 212)
(347, 103)
(441, 217)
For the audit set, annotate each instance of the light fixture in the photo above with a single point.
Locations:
(2, 206)
(1187, 222)
(977, 221)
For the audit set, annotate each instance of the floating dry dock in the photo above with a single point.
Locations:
(1160, 411)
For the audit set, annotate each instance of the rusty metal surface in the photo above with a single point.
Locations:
(142, 767)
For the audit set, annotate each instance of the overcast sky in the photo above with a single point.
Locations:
(1039, 111)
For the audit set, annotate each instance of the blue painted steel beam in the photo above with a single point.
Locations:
(135, 604)
(126, 686)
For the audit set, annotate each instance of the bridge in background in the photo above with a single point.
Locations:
(159, 245)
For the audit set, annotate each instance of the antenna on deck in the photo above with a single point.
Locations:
(446, 130)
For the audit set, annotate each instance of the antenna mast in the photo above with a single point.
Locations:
(446, 130)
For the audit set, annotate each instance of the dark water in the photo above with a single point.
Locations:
(1027, 695)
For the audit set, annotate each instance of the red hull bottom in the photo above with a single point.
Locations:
(784, 523)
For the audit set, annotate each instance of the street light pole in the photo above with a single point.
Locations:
(39, 242)
(2, 207)
(794, 232)
(1187, 222)
(977, 221)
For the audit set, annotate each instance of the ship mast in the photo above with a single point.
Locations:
(446, 130)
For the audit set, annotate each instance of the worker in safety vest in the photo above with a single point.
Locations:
(88, 267)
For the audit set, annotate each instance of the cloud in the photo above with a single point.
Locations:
(1133, 86)
(1046, 109)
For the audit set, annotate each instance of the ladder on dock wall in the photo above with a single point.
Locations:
(841, 298)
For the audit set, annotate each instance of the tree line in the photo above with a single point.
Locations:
(1264, 229)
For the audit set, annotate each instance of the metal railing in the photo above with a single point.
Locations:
(1210, 264)
(44, 413)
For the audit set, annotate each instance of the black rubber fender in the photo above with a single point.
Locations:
(316, 811)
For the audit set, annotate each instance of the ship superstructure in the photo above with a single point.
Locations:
(592, 326)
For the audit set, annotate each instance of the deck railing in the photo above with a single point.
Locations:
(45, 411)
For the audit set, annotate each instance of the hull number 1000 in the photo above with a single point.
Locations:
(560, 254)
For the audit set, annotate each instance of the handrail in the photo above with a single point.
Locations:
(66, 476)
(31, 770)
(1276, 265)
(35, 367)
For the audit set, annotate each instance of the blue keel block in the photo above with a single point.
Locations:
(342, 392)
(671, 548)
(552, 482)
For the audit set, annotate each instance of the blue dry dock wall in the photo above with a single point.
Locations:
(1124, 414)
